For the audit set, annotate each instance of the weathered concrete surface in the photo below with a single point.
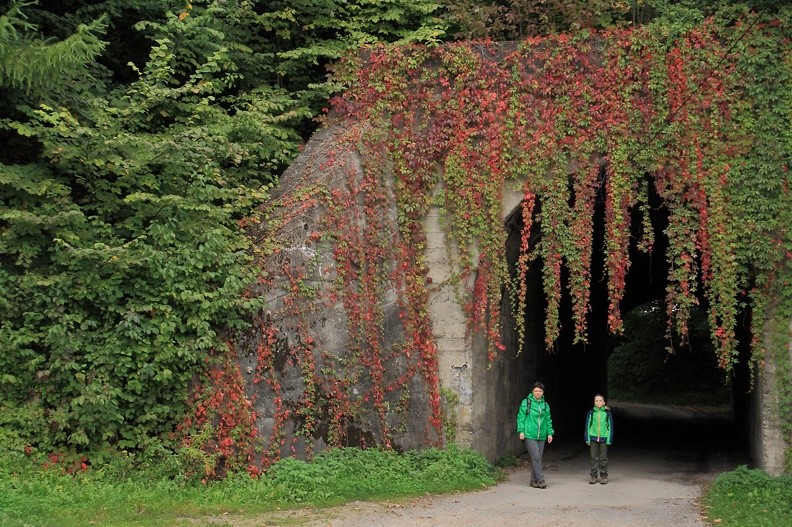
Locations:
(330, 161)
(449, 325)
(767, 442)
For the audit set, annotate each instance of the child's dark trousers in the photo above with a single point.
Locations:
(599, 459)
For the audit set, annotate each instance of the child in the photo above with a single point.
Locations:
(599, 435)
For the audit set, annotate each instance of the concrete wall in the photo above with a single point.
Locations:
(767, 442)
(328, 161)
(449, 324)
(488, 393)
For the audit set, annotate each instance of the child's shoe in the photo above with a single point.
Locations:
(604, 479)
(592, 480)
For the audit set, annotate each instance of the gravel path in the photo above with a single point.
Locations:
(650, 485)
(636, 496)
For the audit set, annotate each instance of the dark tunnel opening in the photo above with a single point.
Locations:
(675, 401)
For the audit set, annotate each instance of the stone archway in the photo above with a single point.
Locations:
(488, 392)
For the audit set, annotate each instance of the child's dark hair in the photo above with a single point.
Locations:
(539, 385)
(600, 395)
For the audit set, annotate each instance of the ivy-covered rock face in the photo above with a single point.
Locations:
(696, 115)
(341, 356)
(677, 112)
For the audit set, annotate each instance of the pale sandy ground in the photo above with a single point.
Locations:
(654, 484)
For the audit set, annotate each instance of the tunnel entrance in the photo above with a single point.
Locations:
(655, 387)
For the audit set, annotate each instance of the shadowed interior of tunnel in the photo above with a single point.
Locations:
(660, 390)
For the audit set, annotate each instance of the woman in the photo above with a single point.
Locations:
(535, 427)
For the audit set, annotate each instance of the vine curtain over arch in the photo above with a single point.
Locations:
(673, 111)
(698, 117)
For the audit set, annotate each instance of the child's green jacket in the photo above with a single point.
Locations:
(599, 426)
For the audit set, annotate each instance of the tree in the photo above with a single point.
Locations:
(517, 19)
(121, 199)
(30, 62)
(122, 257)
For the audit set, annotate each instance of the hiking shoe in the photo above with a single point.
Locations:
(542, 485)
(534, 484)
(604, 480)
(593, 480)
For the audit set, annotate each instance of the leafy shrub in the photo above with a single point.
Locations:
(18, 425)
(750, 498)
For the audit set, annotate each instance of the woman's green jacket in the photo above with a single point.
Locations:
(534, 419)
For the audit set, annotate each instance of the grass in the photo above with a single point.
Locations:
(32, 496)
(749, 498)
(113, 495)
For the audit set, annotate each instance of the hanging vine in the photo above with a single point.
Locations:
(570, 118)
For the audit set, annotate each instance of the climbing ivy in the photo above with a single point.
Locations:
(675, 110)
(618, 114)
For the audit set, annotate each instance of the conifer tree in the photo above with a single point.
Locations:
(30, 62)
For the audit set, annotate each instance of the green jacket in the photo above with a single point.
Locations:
(599, 426)
(534, 420)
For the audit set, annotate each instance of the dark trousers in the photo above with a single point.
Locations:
(599, 458)
(535, 450)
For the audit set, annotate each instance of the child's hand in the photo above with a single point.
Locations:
(589, 444)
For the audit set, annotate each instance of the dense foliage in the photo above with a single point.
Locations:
(518, 19)
(122, 184)
(673, 110)
(139, 134)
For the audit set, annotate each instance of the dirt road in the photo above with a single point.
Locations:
(655, 481)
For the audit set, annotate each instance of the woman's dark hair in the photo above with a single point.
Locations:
(539, 385)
